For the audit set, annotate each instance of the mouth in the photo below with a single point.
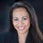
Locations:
(21, 28)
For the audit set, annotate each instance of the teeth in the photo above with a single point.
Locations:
(21, 28)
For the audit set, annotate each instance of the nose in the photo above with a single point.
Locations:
(20, 23)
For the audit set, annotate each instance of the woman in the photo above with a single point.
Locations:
(23, 24)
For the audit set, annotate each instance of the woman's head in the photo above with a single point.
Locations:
(22, 16)
(21, 20)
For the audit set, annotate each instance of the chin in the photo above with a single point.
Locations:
(22, 32)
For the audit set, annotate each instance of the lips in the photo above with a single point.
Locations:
(21, 28)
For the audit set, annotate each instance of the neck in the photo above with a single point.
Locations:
(22, 37)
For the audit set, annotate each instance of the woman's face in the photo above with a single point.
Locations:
(21, 20)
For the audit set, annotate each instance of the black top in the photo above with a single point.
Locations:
(12, 37)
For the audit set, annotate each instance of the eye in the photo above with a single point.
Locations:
(15, 19)
(24, 18)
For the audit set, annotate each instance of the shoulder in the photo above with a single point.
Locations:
(9, 37)
(3, 36)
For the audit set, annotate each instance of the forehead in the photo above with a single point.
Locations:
(20, 12)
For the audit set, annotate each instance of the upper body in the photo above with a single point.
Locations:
(13, 38)
(23, 24)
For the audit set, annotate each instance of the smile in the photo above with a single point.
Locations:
(21, 28)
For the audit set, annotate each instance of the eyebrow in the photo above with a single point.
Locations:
(25, 16)
(14, 17)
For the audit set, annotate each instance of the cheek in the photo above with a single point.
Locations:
(15, 23)
(27, 22)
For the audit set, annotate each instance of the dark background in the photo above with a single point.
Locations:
(4, 13)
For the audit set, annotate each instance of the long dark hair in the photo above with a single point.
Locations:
(33, 18)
